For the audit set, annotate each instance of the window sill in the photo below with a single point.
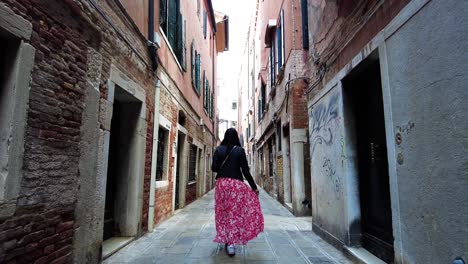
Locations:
(161, 184)
(191, 183)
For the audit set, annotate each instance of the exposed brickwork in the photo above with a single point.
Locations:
(42, 229)
(299, 115)
(340, 31)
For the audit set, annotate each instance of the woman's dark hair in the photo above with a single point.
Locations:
(231, 138)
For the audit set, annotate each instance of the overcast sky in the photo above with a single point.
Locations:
(240, 13)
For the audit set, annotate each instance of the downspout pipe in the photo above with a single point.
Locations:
(151, 45)
(152, 50)
(215, 94)
(154, 158)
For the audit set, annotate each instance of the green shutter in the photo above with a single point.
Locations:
(212, 106)
(172, 23)
(204, 24)
(204, 89)
(179, 43)
(163, 15)
(197, 72)
(259, 117)
(192, 61)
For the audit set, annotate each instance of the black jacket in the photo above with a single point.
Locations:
(235, 165)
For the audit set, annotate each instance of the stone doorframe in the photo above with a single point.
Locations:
(94, 155)
(14, 106)
(183, 169)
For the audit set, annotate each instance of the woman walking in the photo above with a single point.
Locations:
(237, 208)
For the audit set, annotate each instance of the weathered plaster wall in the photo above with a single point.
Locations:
(426, 99)
(327, 164)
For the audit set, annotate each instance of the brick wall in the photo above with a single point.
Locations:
(43, 226)
(339, 31)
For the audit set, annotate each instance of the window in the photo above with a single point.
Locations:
(280, 43)
(161, 159)
(259, 109)
(193, 163)
(305, 24)
(198, 8)
(233, 124)
(262, 101)
(234, 105)
(171, 23)
(204, 23)
(272, 65)
(206, 92)
(196, 68)
(278, 135)
(212, 106)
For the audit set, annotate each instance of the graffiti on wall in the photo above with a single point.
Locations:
(322, 117)
(330, 172)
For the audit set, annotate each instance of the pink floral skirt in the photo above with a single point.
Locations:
(238, 214)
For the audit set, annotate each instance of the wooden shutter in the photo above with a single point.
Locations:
(205, 85)
(259, 113)
(172, 23)
(204, 24)
(197, 72)
(179, 44)
(192, 61)
(283, 44)
(163, 15)
(212, 106)
(305, 24)
(279, 50)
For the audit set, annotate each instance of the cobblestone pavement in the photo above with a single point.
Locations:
(187, 238)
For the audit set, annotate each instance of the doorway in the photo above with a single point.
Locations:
(122, 208)
(179, 170)
(363, 88)
(287, 167)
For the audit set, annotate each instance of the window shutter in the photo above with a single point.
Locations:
(259, 110)
(163, 15)
(305, 24)
(272, 65)
(172, 23)
(192, 61)
(212, 105)
(197, 72)
(179, 44)
(183, 61)
(204, 24)
(279, 50)
(282, 47)
(204, 90)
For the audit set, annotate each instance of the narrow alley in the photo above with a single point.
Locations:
(187, 238)
(118, 119)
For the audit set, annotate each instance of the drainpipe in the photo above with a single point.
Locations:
(214, 105)
(152, 50)
(151, 45)
(154, 157)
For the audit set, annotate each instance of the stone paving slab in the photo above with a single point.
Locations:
(187, 238)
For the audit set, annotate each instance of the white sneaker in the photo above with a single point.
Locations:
(231, 250)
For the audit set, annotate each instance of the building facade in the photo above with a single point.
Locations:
(106, 122)
(274, 120)
(386, 128)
